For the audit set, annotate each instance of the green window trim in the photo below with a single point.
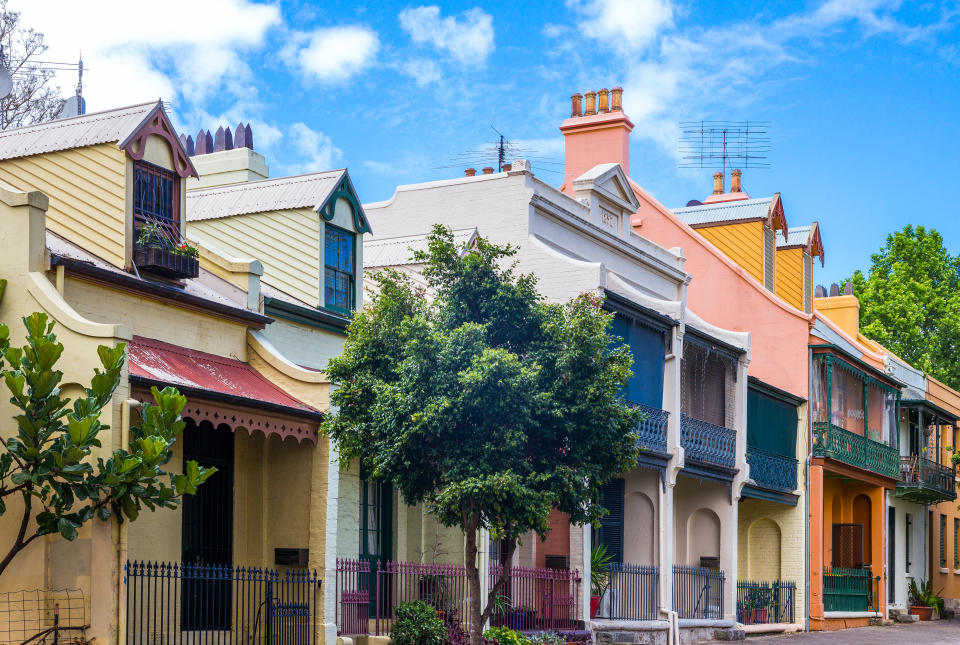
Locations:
(339, 269)
(943, 541)
(956, 543)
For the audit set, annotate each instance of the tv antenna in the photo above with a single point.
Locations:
(718, 144)
(497, 153)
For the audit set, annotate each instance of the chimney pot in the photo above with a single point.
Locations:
(604, 100)
(591, 103)
(820, 291)
(576, 105)
(470, 172)
(834, 290)
(718, 183)
(219, 140)
(488, 170)
(507, 167)
(616, 99)
(735, 181)
(848, 289)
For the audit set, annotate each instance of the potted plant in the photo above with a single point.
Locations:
(433, 591)
(600, 560)
(522, 618)
(923, 600)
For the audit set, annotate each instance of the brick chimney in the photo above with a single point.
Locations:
(597, 136)
(843, 310)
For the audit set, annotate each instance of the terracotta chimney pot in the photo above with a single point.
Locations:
(735, 181)
(604, 100)
(470, 172)
(591, 103)
(507, 167)
(488, 170)
(576, 105)
(718, 183)
(616, 99)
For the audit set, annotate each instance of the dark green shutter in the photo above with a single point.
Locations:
(610, 533)
(771, 424)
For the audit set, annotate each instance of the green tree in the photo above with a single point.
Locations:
(910, 301)
(483, 402)
(48, 462)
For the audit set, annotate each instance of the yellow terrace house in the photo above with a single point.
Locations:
(92, 232)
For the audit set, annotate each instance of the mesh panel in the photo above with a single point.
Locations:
(769, 257)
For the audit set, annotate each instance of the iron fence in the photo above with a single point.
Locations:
(631, 593)
(698, 592)
(765, 602)
(532, 600)
(173, 603)
(43, 616)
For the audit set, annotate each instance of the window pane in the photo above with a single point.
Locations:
(346, 253)
(329, 284)
(330, 249)
(847, 400)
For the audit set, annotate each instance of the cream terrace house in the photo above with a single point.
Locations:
(92, 232)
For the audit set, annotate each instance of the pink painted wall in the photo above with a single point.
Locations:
(720, 292)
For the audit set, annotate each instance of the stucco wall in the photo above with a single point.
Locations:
(309, 346)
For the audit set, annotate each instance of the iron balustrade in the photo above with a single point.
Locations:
(698, 592)
(539, 599)
(847, 589)
(210, 603)
(772, 470)
(631, 593)
(708, 443)
(922, 472)
(765, 602)
(834, 442)
(652, 430)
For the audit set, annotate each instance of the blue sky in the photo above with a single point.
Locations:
(862, 95)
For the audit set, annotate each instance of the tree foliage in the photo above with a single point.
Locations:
(34, 98)
(484, 402)
(910, 301)
(48, 462)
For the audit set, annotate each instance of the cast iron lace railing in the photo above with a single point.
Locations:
(772, 470)
(707, 442)
(652, 430)
(836, 443)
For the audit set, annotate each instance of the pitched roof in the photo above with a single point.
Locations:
(803, 236)
(109, 126)
(398, 251)
(744, 209)
(299, 191)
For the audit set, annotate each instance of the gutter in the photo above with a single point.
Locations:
(126, 282)
(317, 318)
(313, 415)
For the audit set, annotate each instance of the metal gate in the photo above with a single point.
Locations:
(173, 603)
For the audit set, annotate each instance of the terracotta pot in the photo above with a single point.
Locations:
(594, 605)
(925, 613)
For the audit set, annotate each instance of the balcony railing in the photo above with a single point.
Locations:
(771, 470)
(834, 442)
(847, 589)
(653, 429)
(708, 443)
(924, 480)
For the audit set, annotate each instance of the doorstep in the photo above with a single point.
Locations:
(772, 628)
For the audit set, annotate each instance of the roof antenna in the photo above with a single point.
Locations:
(718, 144)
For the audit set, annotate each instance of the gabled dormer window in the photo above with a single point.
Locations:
(158, 246)
(338, 269)
(155, 194)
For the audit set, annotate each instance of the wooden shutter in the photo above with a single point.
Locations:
(848, 546)
(610, 532)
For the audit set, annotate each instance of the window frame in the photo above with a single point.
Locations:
(157, 171)
(352, 296)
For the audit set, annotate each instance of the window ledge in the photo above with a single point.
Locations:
(944, 570)
(956, 570)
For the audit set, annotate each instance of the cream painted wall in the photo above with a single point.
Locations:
(641, 517)
(312, 347)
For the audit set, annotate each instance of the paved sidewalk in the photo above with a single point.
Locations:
(941, 632)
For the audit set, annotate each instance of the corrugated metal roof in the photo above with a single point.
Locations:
(743, 209)
(799, 236)
(398, 251)
(109, 126)
(156, 360)
(299, 191)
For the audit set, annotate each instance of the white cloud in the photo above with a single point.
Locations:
(333, 54)
(468, 39)
(624, 25)
(185, 51)
(423, 71)
(316, 150)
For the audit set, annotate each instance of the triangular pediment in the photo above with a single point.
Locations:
(611, 182)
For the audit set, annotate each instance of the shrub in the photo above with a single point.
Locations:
(417, 624)
(505, 636)
(456, 634)
(547, 638)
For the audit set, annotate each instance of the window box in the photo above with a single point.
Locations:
(165, 262)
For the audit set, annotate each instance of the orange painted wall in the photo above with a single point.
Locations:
(743, 243)
(790, 276)
(558, 540)
(728, 296)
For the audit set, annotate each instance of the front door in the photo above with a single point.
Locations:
(848, 546)
(891, 554)
(376, 537)
(207, 529)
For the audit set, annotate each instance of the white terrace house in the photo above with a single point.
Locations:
(672, 527)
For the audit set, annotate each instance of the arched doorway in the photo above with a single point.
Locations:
(703, 536)
(763, 540)
(640, 539)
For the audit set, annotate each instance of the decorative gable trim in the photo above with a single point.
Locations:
(156, 122)
(612, 184)
(345, 190)
(775, 217)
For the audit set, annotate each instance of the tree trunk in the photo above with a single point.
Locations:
(473, 580)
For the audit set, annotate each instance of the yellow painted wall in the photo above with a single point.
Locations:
(790, 276)
(948, 580)
(86, 191)
(743, 243)
(286, 242)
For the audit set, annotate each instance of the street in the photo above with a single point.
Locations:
(941, 632)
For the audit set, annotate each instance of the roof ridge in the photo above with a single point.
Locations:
(56, 123)
(213, 190)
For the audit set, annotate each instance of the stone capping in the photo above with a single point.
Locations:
(849, 614)
(628, 625)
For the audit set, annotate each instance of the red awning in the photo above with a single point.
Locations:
(154, 360)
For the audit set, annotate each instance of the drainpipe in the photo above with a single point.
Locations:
(806, 499)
